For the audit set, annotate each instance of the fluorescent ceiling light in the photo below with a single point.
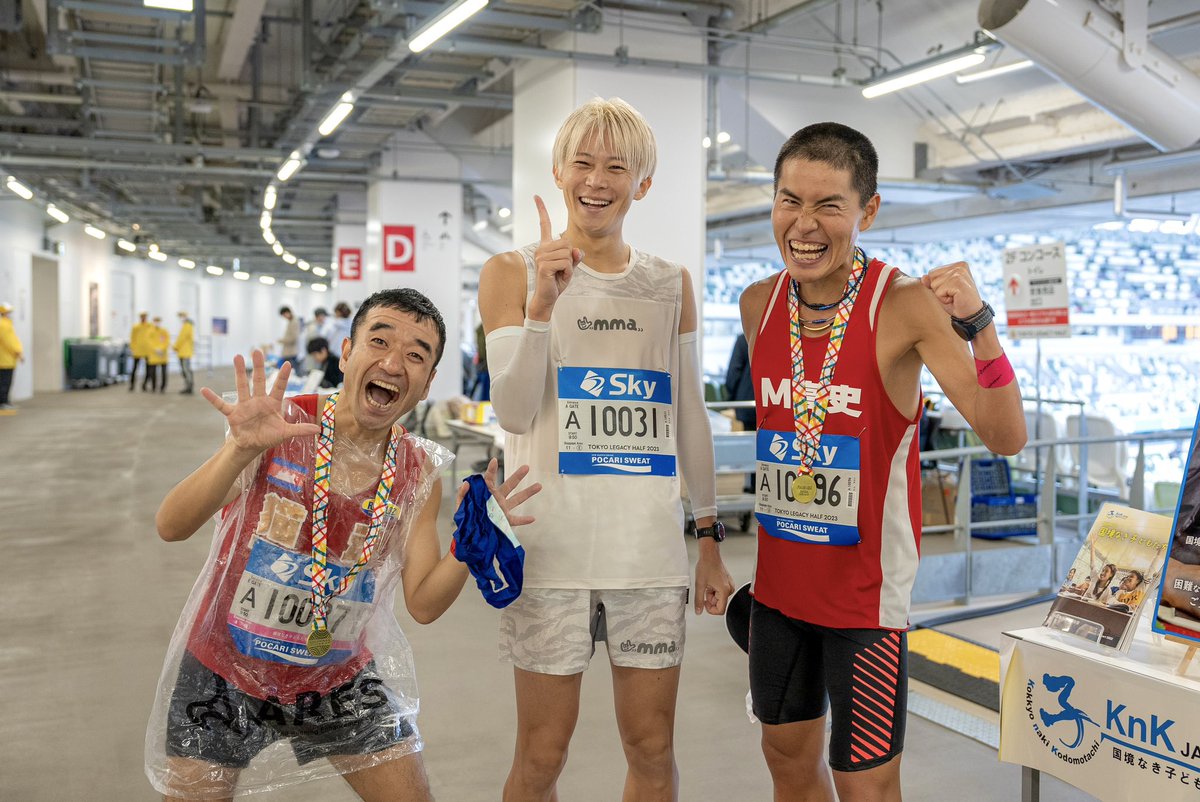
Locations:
(319, 287)
(269, 198)
(213, 270)
(277, 247)
(919, 73)
(319, 271)
(292, 284)
(153, 246)
(982, 75)
(58, 214)
(336, 115)
(706, 143)
(158, 256)
(170, 5)
(480, 225)
(264, 221)
(289, 167)
(303, 265)
(289, 258)
(92, 231)
(126, 245)
(241, 275)
(188, 263)
(449, 19)
(503, 212)
(269, 236)
(723, 137)
(267, 279)
(20, 189)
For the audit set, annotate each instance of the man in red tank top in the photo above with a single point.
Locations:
(837, 343)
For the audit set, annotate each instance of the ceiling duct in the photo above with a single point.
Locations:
(1111, 65)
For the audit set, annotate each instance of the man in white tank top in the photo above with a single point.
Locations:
(595, 376)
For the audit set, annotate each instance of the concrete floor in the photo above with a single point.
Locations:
(92, 596)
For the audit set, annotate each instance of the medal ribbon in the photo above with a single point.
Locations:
(323, 591)
(809, 412)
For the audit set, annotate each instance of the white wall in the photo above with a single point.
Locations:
(20, 238)
(159, 288)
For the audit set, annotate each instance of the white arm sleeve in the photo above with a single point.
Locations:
(696, 461)
(518, 357)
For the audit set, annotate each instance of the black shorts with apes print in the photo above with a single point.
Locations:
(212, 721)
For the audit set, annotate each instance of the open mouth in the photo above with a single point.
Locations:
(806, 251)
(381, 394)
(595, 203)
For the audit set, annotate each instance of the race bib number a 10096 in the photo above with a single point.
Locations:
(831, 517)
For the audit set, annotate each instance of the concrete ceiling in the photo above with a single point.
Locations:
(175, 123)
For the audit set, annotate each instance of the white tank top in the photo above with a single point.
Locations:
(603, 443)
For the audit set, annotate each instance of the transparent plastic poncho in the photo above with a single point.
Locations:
(242, 706)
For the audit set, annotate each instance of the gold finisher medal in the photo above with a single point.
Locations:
(804, 488)
(319, 642)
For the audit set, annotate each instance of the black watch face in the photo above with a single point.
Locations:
(961, 330)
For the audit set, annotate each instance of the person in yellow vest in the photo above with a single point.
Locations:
(10, 354)
(184, 348)
(158, 343)
(138, 348)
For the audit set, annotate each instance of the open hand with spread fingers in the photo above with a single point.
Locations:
(955, 289)
(506, 493)
(555, 261)
(256, 421)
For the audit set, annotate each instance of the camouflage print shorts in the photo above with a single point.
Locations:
(555, 630)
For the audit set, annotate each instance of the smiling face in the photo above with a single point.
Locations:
(598, 188)
(388, 368)
(816, 218)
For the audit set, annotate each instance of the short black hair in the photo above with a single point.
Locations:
(320, 312)
(407, 300)
(283, 309)
(317, 344)
(1141, 577)
(839, 146)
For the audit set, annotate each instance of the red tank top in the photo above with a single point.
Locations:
(867, 585)
(258, 585)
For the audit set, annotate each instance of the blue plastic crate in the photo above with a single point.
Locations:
(1000, 508)
(990, 477)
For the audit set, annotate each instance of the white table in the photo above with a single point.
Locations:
(1117, 726)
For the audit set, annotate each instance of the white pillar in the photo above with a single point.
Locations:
(413, 238)
(669, 221)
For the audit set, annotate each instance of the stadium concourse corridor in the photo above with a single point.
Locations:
(91, 596)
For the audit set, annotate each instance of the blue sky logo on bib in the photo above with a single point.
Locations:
(285, 566)
(593, 383)
(779, 448)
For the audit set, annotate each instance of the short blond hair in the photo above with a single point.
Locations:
(616, 123)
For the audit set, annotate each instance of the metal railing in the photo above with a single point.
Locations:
(1047, 519)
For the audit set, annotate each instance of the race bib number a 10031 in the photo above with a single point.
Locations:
(615, 421)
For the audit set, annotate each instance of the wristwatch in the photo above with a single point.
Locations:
(969, 327)
(716, 531)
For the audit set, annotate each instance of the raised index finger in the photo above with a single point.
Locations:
(544, 219)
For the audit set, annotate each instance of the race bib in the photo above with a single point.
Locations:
(271, 614)
(831, 518)
(615, 420)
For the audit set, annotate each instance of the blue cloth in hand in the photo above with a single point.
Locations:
(485, 542)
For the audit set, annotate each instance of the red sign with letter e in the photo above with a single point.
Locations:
(350, 264)
(399, 248)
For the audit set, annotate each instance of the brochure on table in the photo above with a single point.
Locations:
(1178, 610)
(1111, 577)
